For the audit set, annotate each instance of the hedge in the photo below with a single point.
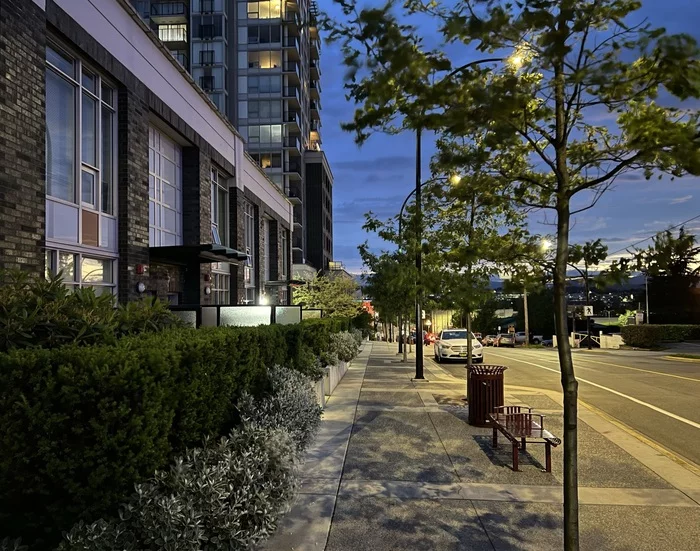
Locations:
(81, 425)
(647, 336)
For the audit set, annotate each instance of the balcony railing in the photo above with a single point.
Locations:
(291, 67)
(292, 116)
(206, 6)
(206, 57)
(315, 105)
(172, 33)
(292, 167)
(292, 17)
(293, 191)
(290, 92)
(290, 42)
(292, 141)
(316, 126)
(166, 9)
(206, 83)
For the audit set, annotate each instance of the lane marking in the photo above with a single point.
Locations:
(613, 391)
(577, 358)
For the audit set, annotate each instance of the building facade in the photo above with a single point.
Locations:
(259, 62)
(117, 171)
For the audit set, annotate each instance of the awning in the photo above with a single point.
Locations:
(191, 254)
(278, 283)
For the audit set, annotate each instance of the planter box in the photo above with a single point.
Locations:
(320, 394)
(327, 389)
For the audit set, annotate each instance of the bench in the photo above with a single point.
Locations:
(520, 426)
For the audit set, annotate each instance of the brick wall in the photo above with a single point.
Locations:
(22, 135)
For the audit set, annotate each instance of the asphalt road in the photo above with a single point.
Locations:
(658, 397)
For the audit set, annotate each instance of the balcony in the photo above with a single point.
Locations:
(293, 169)
(175, 36)
(316, 126)
(297, 241)
(291, 94)
(292, 70)
(169, 12)
(315, 90)
(294, 193)
(292, 142)
(315, 66)
(315, 109)
(293, 20)
(297, 218)
(291, 42)
(292, 120)
(315, 48)
(315, 145)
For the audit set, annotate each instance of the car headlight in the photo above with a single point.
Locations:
(446, 346)
(477, 346)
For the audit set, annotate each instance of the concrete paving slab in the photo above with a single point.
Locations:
(400, 489)
(522, 526)
(321, 486)
(306, 526)
(379, 524)
(388, 398)
(396, 446)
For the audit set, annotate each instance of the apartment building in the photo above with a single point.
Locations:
(118, 171)
(259, 62)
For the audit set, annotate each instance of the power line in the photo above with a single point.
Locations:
(624, 249)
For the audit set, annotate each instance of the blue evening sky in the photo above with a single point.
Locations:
(380, 174)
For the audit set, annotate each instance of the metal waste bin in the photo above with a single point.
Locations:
(484, 392)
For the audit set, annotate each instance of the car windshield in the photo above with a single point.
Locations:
(448, 335)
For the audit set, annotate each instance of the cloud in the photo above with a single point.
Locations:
(353, 212)
(680, 200)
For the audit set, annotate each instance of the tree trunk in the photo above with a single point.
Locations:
(404, 334)
(568, 383)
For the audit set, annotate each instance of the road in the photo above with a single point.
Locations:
(658, 397)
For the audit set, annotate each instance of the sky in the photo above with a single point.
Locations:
(379, 175)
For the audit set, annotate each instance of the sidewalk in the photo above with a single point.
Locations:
(396, 466)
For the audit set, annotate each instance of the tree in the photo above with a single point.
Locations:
(673, 264)
(533, 123)
(334, 295)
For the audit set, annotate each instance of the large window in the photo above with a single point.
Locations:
(219, 208)
(221, 288)
(265, 60)
(265, 133)
(264, 34)
(284, 265)
(80, 144)
(265, 10)
(164, 190)
(264, 109)
(264, 84)
(80, 270)
(249, 241)
(208, 26)
(268, 160)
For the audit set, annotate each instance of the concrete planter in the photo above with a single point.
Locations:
(320, 394)
(327, 381)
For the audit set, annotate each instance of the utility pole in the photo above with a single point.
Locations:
(527, 317)
(419, 242)
(646, 290)
(400, 339)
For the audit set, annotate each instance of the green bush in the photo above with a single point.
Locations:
(227, 495)
(647, 336)
(80, 425)
(43, 313)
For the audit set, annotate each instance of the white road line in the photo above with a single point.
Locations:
(639, 369)
(631, 398)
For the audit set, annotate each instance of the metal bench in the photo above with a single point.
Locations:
(519, 425)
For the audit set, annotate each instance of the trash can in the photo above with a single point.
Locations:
(484, 392)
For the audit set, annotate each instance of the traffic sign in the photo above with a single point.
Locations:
(588, 311)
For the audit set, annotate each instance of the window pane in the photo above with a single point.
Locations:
(222, 204)
(66, 265)
(169, 195)
(61, 61)
(88, 135)
(88, 188)
(107, 160)
(90, 82)
(96, 270)
(107, 95)
(60, 137)
(90, 227)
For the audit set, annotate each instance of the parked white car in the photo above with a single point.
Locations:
(451, 344)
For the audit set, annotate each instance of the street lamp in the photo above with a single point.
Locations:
(453, 179)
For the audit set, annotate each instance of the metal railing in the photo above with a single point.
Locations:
(290, 92)
(166, 9)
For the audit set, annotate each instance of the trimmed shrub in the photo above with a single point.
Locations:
(227, 495)
(647, 336)
(344, 346)
(81, 425)
(40, 313)
(290, 405)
